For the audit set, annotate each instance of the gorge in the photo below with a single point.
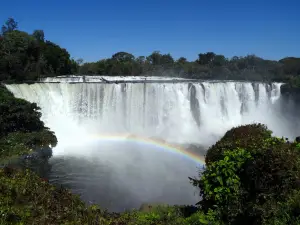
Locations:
(95, 120)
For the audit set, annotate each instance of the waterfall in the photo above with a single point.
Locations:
(182, 112)
(124, 174)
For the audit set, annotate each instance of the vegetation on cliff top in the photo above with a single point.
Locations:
(27, 57)
(21, 130)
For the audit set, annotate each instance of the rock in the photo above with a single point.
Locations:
(297, 139)
(194, 104)
(201, 150)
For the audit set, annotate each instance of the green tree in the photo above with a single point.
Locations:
(219, 60)
(206, 58)
(79, 61)
(39, 35)
(9, 26)
(241, 187)
(167, 59)
(181, 60)
(57, 58)
(28, 57)
(155, 58)
(291, 65)
(17, 114)
(18, 54)
(123, 57)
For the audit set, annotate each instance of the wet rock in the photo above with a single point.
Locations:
(196, 149)
(194, 104)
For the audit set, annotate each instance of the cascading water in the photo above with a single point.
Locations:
(154, 110)
(180, 112)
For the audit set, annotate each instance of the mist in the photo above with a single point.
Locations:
(120, 174)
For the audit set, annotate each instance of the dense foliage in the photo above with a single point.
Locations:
(27, 199)
(249, 177)
(208, 66)
(21, 130)
(27, 57)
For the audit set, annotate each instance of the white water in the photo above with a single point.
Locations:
(122, 174)
(153, 110)
(75, 78)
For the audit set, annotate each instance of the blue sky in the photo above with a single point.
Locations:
(96, 29)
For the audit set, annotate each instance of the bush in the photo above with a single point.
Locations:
(199, 218)
(272, 175)
(18, 143)
(285, 212)
(247, 169)
(18, 114)
(220, 184)
(249, 137)
(27, 199)
(32, 139)
(21, 130)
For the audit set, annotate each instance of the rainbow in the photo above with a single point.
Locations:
(153, 143)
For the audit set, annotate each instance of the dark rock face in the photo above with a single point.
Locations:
(194, 104)
(290, 103)
(201, 150)
(297, 139)
(290, 93)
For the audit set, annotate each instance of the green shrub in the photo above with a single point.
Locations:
(246, 137)
(26, 199)
(220, 184)
(18, 114)
(21, 130)
(282, 212)
(18, 143)
(241, 187)
(272, 175)
(199, 218)
(159, 215)
(32, 139)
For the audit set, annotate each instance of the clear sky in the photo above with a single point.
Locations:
(96, 29)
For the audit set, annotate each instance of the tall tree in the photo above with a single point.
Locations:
(39, 35)
(155, 58)
(10, 25)
(206, 58)
(181, 60)
(123, 57)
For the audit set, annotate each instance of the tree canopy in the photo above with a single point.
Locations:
(25, 57)
(251, 177)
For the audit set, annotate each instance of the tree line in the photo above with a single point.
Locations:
(25, 56)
